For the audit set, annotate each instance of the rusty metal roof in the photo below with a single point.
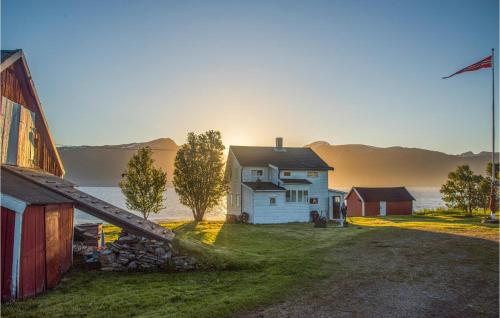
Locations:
(90, 204)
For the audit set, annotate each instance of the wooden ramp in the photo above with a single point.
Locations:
(94, 206)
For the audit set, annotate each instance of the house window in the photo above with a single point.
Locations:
(287, 195)
(312, 174)
(306, 196)
(272, 201)
(287, 173)
(313, 200)
(294, 196)
(237, 200)
(257, 173)
(299, 195)
(230, 199)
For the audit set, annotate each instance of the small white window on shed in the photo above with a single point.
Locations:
(237, 200)
(257, 173)
(272, 201)
(312, 174)
(287, 173)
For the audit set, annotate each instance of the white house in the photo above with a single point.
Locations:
(279, 184)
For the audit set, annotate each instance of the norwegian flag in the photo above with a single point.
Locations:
(484, 63)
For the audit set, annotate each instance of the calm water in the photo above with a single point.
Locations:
(426, 198)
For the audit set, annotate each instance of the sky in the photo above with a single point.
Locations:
(345, 72)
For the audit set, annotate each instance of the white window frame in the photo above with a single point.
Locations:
(312, 198)
(257, 172)
(272, 198)
(306, 196)
(287, 173)
(230, 199)
(238, 199)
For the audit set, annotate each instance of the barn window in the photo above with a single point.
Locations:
(313, 200)
(312, 174)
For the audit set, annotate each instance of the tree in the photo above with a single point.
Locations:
(198, 175)
(461, 190)
(144, 185)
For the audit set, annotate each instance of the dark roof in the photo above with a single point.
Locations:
(384, 194)
(264, 186)
(288, 158)
(7, 53)
(295, 181)
(27, 191)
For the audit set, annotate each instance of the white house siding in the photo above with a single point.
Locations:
(247, 202)
(274, 174)
(233, 173)
(281, 212)
(247, 174)
(318, 188)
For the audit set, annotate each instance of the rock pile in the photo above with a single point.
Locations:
(131, 252)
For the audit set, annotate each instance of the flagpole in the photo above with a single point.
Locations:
(493, 172)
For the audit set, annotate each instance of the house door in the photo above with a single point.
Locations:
(382, 208)
(336, 207)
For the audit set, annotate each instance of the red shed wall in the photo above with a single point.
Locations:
(32, 267)
(8, 225)
(354, 205)
(46, 247)
(372, 208)
(399, 208)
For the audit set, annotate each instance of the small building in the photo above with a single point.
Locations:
(279, 184)
(379, 201)
(37, 224)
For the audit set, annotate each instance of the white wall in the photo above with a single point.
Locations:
(282, 212)
(247, 174)
(247, 202)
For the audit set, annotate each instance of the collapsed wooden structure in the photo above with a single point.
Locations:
(37, 204)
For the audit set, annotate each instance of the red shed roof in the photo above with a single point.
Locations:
(396, 194)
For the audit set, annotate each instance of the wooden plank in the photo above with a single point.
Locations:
(52, 246)
(94, 206)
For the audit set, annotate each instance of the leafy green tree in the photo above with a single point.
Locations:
(461, 190)
(198, 175)
(144, 185)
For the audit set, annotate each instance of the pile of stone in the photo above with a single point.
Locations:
(130, 252)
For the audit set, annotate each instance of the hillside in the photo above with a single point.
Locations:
(359, 165)
(103, 165)
(363, 165)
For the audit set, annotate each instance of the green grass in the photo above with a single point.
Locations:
(244, 266)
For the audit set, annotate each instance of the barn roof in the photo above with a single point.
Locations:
(293, 158)
(396, 194)
(29, 192)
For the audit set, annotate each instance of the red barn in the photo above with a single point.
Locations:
(379, 201)
(37, 224)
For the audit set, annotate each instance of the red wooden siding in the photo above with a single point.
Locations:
(46, 247)
(32, 267)
(372, 208)
(15, 86)
(8, 224)
(399, 208)
(354, 205)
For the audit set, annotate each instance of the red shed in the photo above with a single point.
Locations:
(37, 224)
(379, 201)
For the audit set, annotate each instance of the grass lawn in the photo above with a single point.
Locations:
(250, 268)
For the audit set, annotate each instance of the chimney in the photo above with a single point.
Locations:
(279, 144)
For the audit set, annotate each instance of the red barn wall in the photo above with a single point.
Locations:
(354, 205)
(372, 208)
(8, 225)
(46, 247)
(399, 208)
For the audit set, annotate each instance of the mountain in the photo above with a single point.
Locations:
(355, 165)
(104, 165)
(362, 165)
